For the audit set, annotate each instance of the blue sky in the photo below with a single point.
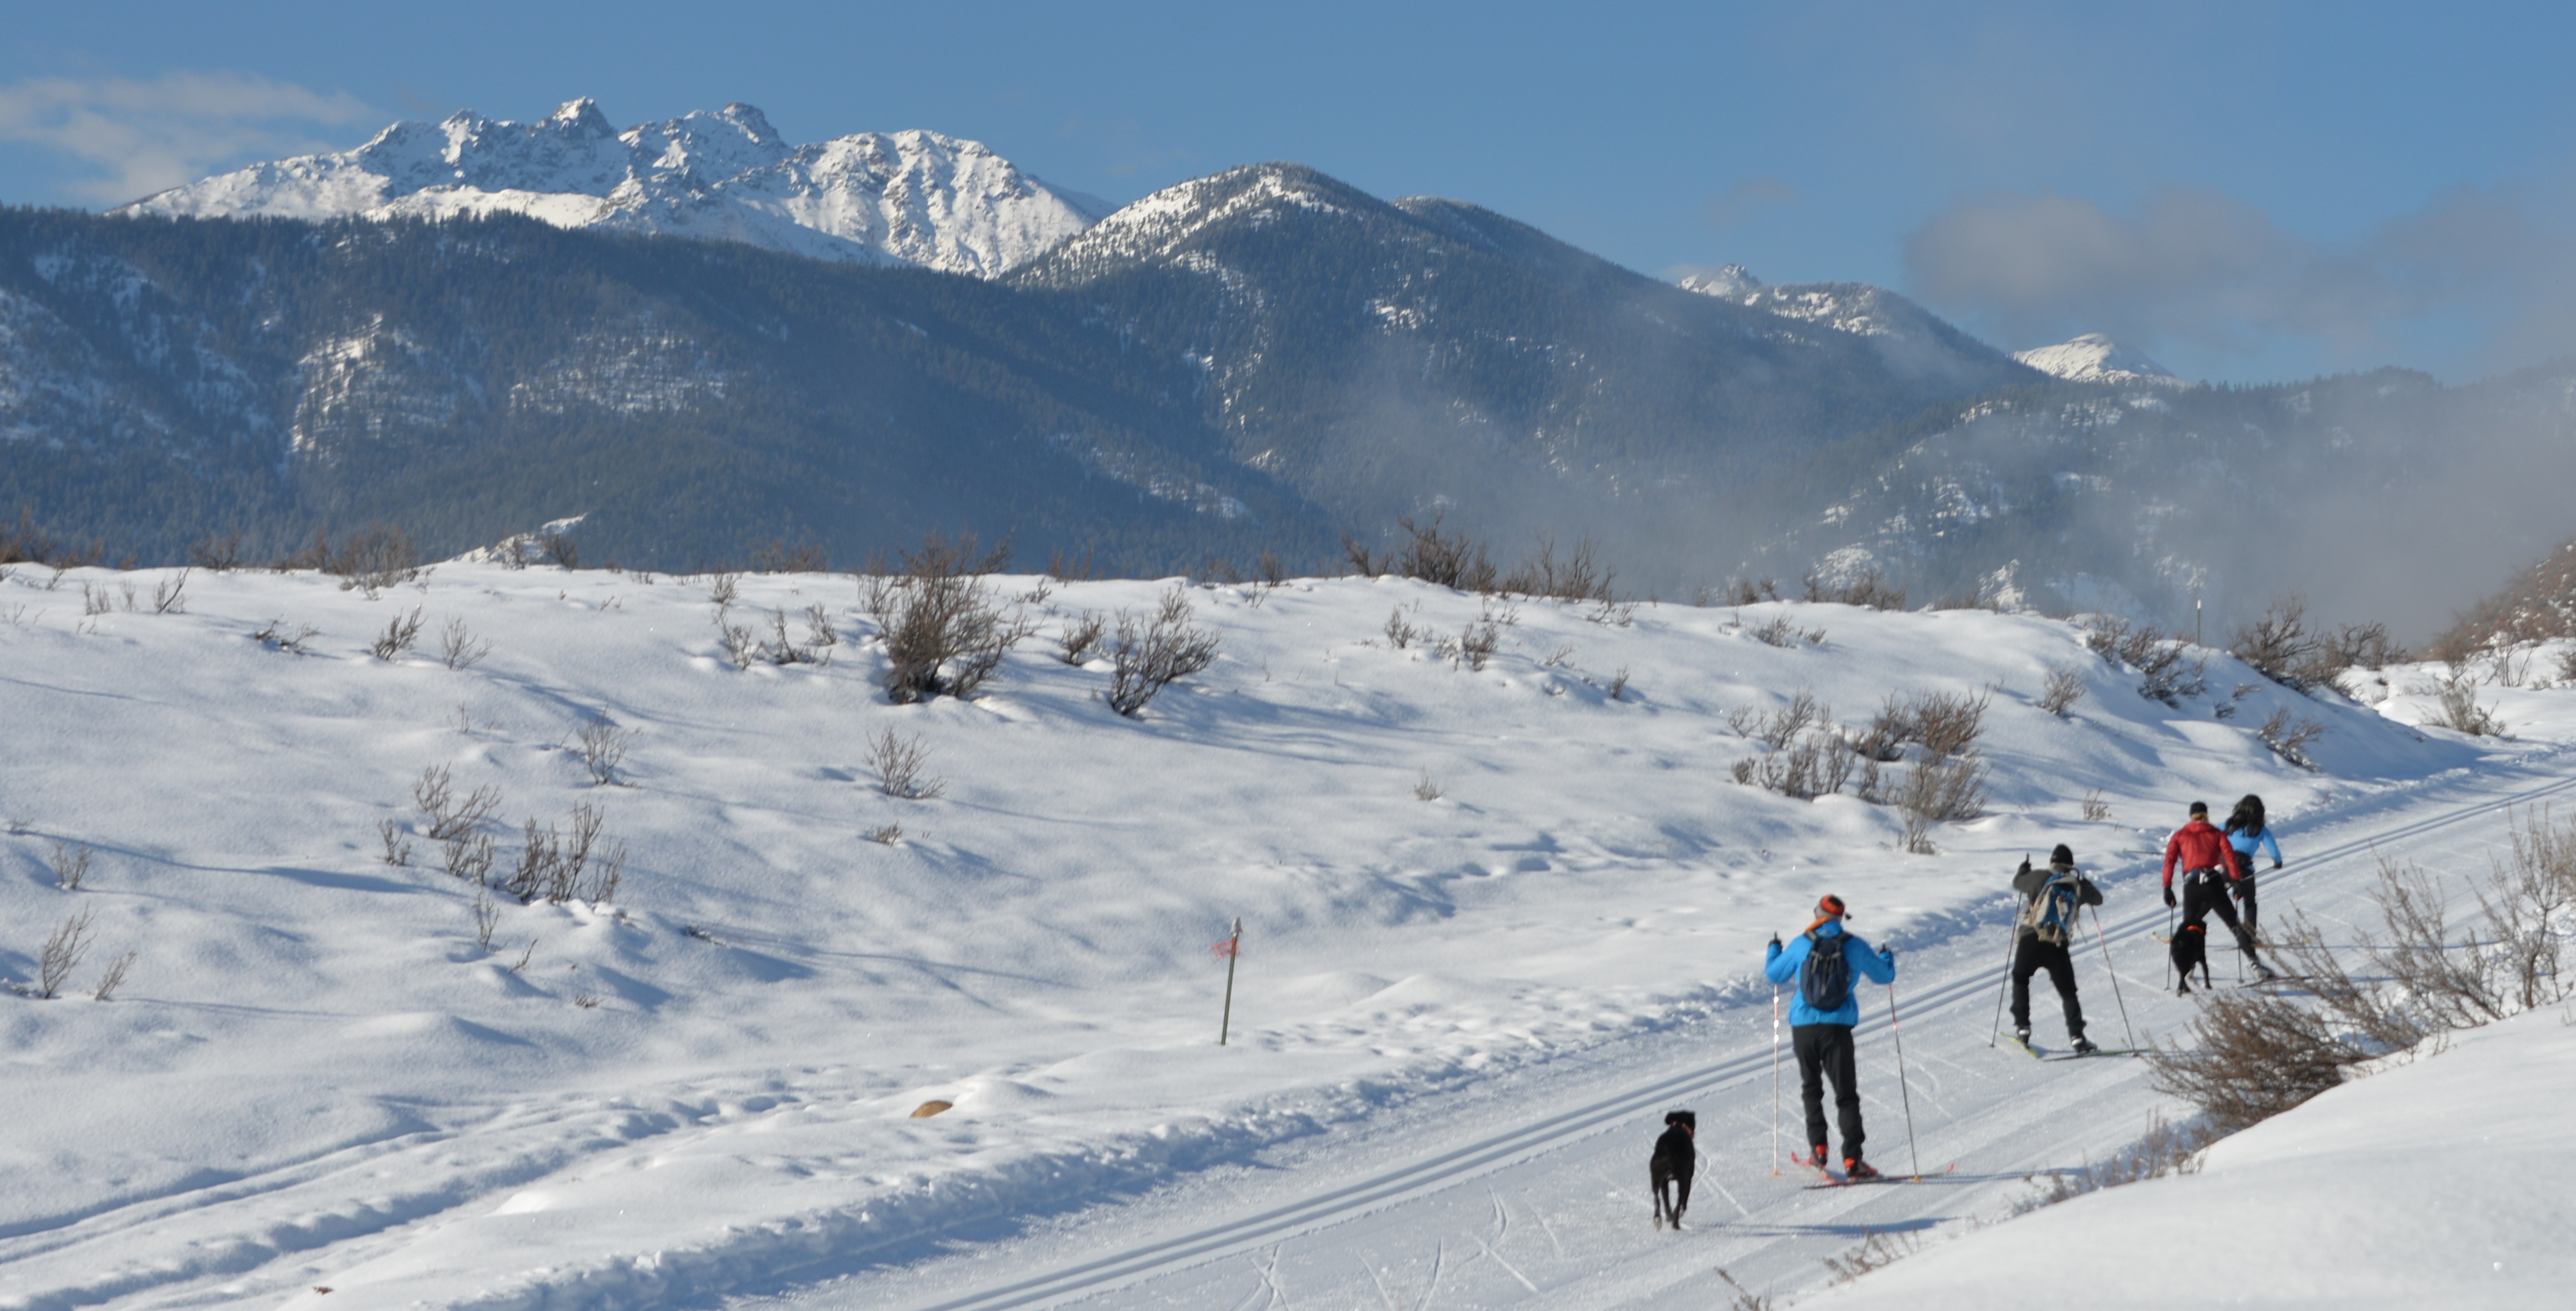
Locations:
(2245, 191)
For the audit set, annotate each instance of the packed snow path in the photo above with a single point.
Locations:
(1551, 1209)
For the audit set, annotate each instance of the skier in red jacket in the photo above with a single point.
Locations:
(2208, 866)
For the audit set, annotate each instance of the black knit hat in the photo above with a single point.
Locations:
(2200, 808)
(2064, 855)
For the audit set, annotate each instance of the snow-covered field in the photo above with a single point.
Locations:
(700, 1090)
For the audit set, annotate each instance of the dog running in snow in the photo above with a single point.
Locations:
(1676, 1157)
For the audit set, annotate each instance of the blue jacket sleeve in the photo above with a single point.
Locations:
(2270, 846)
(1782, 963)
(1866, 961)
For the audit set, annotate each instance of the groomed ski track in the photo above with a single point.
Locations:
(1536, 1195)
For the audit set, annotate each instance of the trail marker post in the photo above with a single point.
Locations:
(1232, 950)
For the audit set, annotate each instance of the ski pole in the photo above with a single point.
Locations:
(2114, 972)
(1775, 1078)
(2012, 935)
(2169, 942)
(1901, 1085)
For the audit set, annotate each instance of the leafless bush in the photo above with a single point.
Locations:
(2165, 673)
(457, 647)
(782, 650)
(886, 835)
(278, 635)
(223, 554)
(1817, 765)
(1869, 590)
(1400, 634)
(71, 865)
(113, 977)
(487, 918)
(1876, 1252)
(1578, 577)
(777, 557)
(819, 632)
(1618, 684)
(1448, 559)
(468, 856)
(1476, 645)
(401, 633)
(560, 868)
(736, 638)
(1745, 1298)
(2065, 688)
(2165, 1150)
(943, 635)
(1151, 656)
(1803, 712)
(62, 954)
(602, 745)
(371, 559)
(2290, 741)
(1080, 638)
(1946, 724)
(397, 846)
(2365, 646)
(2459, 709)
(1426, 788)
(96, 601)
(724, 589)
(559, 549)
(1752, 591)
(170, 595)
(449, 815)
(898, 762)
(2096, 809)
(2279, 644)
(2247, 1057)
(1940, 791)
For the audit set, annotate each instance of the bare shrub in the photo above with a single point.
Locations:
(1080, 638)
(2279, 644)
(602, 746)
(2165, 1150)
(113, 977)
(401, 633)
(1745, 1299)
(1817, 765)
(819, 632)
(943, 635)
(782, 650)
(1618, 684)
(560, 868)
(1400, 634)
(1426, 788)
(736, 638)
(898, 762)
(2247, 1057)
(62, 954)
(1476, 645)
(2459, 709)
(1946, 724)
(449, 815)
(2166, 674)
(2096, 809)
(2290, 740)
(1869, 590)
(71, 865)
(1778, 632)
(278, 635)
(886, 835)
(1578, 577)
(2065, 688)
(457, 646)
(1448, 559)
(371, 559)
(1151, 656)
(468, 856)
(1781, 725)
(777, 557)
(221, 553)
(170, 595)
(1876, 1252)
(724, 589)
(397, 846)
(487, 918)
(1940, 791)
(559, 549)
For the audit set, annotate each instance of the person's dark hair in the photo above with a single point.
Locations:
(2247, 817)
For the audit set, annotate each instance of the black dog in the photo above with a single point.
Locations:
(1676, 1157)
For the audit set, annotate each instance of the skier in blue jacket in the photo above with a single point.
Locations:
(2246, 834)
(1820, 1024)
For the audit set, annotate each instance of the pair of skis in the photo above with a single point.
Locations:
(1828, 1179)
(2036, 1054)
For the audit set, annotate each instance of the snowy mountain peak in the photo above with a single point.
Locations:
(1734, 282)
(2094, 357)
(916, 197)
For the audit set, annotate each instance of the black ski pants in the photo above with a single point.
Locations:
(2243, 889)
(2029, 958)
(1825, 1052)
(2204, 892)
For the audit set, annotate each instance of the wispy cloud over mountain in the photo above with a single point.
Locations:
(138, 136)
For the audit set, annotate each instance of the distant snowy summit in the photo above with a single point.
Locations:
(2096, 358)
(1733, 282)
(914, 197)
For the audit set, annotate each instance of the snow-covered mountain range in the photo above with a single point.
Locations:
(2094, 357)
(870, 197)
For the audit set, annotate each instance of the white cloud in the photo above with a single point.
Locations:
(2194, 265)
(139, 137)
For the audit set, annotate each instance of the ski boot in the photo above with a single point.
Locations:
(1856, 1169)
(2084, 1046)
(1816, 1157)
(2021, 1034)
(2264, 973)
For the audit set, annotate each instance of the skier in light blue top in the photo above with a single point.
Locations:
(2246, 833)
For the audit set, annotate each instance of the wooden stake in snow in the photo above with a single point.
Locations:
(1231, 949)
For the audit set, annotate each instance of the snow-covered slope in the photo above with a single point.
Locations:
(726, 175)
(319, 1074)
(1911, 338)
(2094, 357)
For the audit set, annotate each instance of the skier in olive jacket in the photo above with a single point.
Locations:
(1822, 1038)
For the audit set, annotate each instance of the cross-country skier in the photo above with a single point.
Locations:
(2052, 898)
(1823, 960)
(2246, 834)
(2208, 866)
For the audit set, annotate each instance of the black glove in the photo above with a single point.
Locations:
(2025, 866)
(2169, 897)
(1775, 942)
(1887, 954)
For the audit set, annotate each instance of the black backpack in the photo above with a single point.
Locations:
(1824, 978)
